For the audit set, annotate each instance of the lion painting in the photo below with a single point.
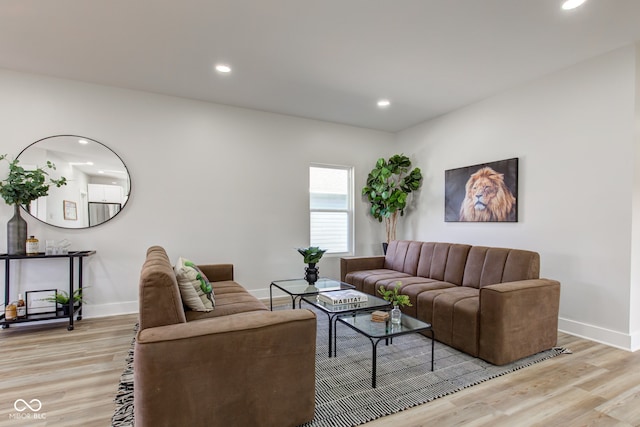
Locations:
(487, 198)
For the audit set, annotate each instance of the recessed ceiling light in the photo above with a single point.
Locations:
(100, 171)
(223, 68)
(384, 103)
(572, 4)
(83, 141)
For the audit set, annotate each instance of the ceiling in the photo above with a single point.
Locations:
(321, 59)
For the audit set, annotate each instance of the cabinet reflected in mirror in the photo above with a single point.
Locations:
(98, 182)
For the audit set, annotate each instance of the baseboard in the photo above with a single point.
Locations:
(263, 295)
(635, 341)
(629, 342)
(130, 307)
(112, 309)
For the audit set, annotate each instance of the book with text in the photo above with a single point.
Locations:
(342, 297)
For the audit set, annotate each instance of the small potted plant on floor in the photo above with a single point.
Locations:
(312, 256)
(62, 299)
(396, 299)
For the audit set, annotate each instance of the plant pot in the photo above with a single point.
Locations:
(311, 274)
(16, 233)
(65, 309)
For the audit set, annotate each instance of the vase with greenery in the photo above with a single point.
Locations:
(20, 188)
(312, 256)
(62, 298)
(388, 187)
(396, 299)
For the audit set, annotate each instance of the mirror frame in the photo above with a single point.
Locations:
(54, 188)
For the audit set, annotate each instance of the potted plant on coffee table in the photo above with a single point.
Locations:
(20, 188)
(396, 299)
(312, 256)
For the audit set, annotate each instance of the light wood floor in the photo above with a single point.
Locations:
(75, 375)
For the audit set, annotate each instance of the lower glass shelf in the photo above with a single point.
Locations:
(39, 316)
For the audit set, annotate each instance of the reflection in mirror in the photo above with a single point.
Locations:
(98, 182)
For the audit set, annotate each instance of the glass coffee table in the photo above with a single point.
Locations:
(334, 310)
(378, 331)
(298, 288)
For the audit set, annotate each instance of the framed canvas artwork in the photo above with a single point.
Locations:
(486, 192)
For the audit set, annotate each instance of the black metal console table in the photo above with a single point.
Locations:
(71, 256)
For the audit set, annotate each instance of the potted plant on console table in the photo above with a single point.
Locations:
(62, 299)
(20, 188)
(396, 299)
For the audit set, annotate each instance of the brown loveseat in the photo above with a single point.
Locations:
(487, 302)
(238, 365)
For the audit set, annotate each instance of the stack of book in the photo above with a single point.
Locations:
(348, 296)
(379, 316)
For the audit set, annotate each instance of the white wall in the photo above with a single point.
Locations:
(209, 182)
(574, 134)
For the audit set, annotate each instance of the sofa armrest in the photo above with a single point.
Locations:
(217, 272)
(255, 368)
(357, 263)
(518, 319)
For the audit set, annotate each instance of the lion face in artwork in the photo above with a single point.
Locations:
(487, 198)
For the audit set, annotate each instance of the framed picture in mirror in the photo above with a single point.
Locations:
(70, 210)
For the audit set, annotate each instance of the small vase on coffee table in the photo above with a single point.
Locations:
(396, 315)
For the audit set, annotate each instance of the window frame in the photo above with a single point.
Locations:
(349, 210)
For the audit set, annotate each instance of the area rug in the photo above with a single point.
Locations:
(344, 396)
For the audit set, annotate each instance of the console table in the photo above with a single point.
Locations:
(72, 256)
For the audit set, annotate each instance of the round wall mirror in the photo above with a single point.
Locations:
(98, 182)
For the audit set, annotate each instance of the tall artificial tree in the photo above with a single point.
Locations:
(388, 186)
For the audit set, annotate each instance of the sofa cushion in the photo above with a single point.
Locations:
(228, 303)
(370, 285)
(413, 287)
(358, 278)
(227, 287)
(487, 266)
(191, 282)
(455, 318)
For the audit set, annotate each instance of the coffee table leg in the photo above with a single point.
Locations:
(374, 360)
(332, 327)
(432, 346)
(335, 333)
(271, 296)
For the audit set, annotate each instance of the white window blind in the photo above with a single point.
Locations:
(331, 208)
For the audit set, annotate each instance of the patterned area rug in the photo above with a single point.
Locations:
(344, 396)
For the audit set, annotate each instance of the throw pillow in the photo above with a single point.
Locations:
(195, 289)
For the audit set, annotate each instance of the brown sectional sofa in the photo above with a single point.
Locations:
(237, 365)
(487, 302)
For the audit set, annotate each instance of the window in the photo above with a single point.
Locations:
(331, 208)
